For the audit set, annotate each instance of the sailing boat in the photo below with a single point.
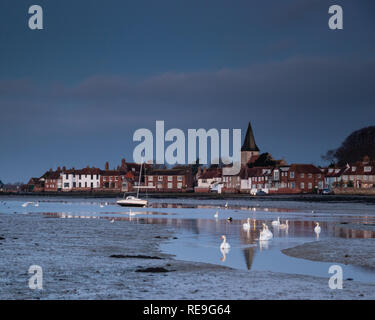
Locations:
(132, 201)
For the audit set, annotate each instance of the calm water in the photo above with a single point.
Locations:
(198, 232)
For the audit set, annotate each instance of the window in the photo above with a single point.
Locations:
(276, 175)
(302, 185)
(310, 185)
(310, 175)
(150, 184)
(354, 169)
(79, 177)
(160, 178)
(92, 178)
(179, 178)
(365, 177)
(292, 185)
(160, 185)
(116, 178)
(66, 185)
(150, 178)
(169, 178)
(79, 184)
(74, 184)
(179, 185)
(291, 174)
(92, 185)
(302, 175)
(367, 169)
(66, 176)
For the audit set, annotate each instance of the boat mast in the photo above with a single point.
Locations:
(139, 180)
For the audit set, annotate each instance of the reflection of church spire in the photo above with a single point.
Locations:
(249, 255)
(249, 143)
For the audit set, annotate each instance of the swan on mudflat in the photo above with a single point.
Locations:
(224, 245)
(216, 215)
(112, 221)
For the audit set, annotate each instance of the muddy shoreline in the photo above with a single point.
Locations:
(75, 255)
(357, 252)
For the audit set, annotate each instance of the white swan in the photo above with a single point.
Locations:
(276, 223)
(267, 231)
(112, 221)
(246, 225)
(317, 229)
(224, 245)
(265, 234)
(26, 204)
(284, 225)
(36, 204)
(226, 204)
(216, 215)
(101, 205)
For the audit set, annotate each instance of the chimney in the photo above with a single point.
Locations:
(204, 169)
(106, 166)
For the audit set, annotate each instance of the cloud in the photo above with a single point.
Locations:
(298, 84)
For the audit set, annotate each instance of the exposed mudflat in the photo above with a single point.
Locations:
(75, 255)
(358, 252)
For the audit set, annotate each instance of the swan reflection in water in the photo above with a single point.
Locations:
(224, 252)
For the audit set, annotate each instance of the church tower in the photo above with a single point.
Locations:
(249, 147)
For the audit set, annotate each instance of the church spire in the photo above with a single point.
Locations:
(249, 143)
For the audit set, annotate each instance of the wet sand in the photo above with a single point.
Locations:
(75, 255)
(358, 252)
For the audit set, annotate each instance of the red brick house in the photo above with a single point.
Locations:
(52, 181)
(301, 178)
(169, 180)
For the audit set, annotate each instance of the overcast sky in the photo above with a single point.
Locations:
(74, 93)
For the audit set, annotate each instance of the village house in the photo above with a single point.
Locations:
(52, 180)
(169, 180)
(81, 180)
(209, 180)
(302, 178)
(359, 175)
(255, 179)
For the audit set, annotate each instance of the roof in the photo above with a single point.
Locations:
(83, 171)
(112, 172)
(304, 168)
(51, 175)
(211, 173)
(249, 142)
(166, 172)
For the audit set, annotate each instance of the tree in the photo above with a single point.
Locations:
(355, 147)
(264, 160)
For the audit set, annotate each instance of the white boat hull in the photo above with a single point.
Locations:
(132, 203)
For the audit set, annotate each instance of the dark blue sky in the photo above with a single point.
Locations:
(74, 93)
